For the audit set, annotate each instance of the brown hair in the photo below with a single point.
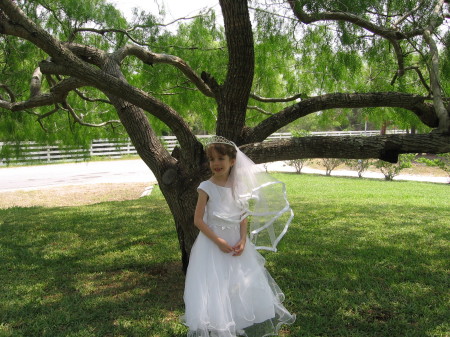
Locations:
(222, 149)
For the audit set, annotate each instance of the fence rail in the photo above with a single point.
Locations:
(32, 152)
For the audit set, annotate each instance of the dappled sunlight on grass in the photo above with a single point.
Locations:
(362, 258)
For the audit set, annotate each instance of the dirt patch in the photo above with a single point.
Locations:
(72, 195)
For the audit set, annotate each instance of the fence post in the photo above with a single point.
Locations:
(48, 154)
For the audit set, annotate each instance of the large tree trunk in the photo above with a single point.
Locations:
(177, 184)
(232, 97)
(181, 199)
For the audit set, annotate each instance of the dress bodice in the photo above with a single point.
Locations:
(221, 208)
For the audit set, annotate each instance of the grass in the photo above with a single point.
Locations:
(362, 258)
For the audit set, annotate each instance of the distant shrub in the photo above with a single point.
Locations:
(443, 162)
(297, 164)
(359, 165)
(391, 170)
(330, 164)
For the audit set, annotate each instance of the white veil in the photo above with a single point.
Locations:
(261, 196)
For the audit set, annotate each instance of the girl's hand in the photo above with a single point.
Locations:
(224, 246)
(238, 248)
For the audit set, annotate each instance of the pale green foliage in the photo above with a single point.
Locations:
(290, 58)
(391, 170)
(442, 161)
(18, 59)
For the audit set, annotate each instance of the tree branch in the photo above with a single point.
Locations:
(45, 115)
(386, 147)
(257, 108)
(276, 100)
(68, 63)
(92, 100)
(392, 35)
(174, 21)
(80, 121)
(127, 34)
(57, 95)
(12, 97)
(386, 33)
(36, 82)
(405, 16)
(289, 114)
(419, 73)
(150, 58)
(441, 111)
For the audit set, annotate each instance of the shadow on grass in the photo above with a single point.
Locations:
(374, 264)
(99, 271)
(365, 271)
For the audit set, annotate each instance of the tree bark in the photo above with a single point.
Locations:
(386, 147)
(414, 103)
(232, 97)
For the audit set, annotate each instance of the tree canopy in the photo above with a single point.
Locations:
(79, 69)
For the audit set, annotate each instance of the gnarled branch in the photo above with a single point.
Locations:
(414, 103)
(57, 95)
(386, 147)
(150, 58)
(67, 63)
(392, 35)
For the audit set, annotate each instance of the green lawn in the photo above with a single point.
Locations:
(362, 258)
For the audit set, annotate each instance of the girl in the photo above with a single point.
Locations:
(228, 292)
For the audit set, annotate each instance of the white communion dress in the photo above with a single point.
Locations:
(228, 295)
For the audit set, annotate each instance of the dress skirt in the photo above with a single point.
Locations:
(226, 295)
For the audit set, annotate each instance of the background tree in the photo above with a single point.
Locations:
(86, 66)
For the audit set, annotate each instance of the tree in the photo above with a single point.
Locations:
(87, 46)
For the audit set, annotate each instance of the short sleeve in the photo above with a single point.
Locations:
(205, 187)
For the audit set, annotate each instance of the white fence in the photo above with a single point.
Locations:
(31, 152)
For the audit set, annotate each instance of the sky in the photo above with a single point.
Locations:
(174, 8)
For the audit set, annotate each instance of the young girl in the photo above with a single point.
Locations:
(228, 292)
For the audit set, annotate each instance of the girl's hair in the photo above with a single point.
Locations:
(222, 149)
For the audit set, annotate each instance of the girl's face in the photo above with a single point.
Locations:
(220, 164)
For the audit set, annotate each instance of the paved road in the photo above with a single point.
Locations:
(45, 176)
(127, 171)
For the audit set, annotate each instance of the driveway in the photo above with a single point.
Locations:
(45, 176)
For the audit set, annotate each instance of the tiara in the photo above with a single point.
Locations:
(218, 140)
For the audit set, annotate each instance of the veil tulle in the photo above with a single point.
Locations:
(261, 196)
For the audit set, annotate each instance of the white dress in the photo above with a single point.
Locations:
(229, 295)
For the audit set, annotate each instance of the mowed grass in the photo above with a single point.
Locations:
(362, 258)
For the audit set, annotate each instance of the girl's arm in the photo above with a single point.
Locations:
(239, 247)
(203, 227)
